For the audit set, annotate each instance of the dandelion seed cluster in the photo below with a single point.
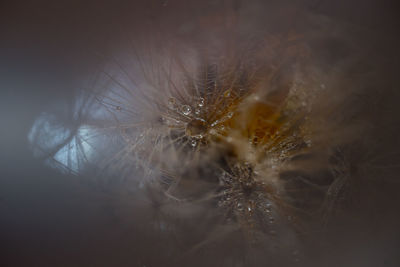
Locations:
(226, 135)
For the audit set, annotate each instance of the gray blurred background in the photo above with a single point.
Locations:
(46, 49)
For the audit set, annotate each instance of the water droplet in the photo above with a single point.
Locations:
(249, 208)
(200, 102)
(227, 93)
(229, 115)
(271, 220)
(268, 207)
(196, 128)
(186, 110)
(308, 142)
(118, 108)
(172, 103)
(193, 142)
(214, 123)
(197, 111)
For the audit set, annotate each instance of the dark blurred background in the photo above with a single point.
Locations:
(46, 48)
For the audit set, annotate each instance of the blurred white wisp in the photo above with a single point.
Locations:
(71, 136)
(102, 126)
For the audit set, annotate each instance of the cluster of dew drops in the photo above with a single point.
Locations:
(246, 202)
(192, 118)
